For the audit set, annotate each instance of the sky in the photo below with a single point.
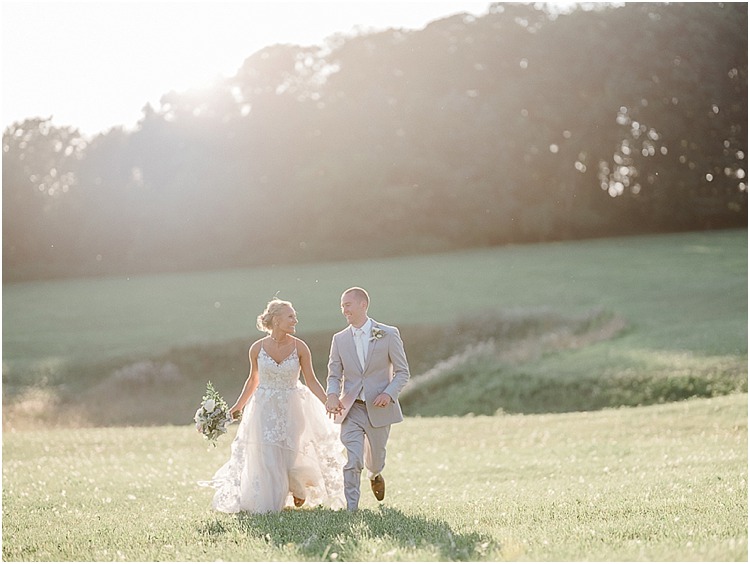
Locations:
(94, 65)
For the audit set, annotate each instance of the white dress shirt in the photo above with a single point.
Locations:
(365, 344)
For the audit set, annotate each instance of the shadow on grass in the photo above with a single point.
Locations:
(384, 534)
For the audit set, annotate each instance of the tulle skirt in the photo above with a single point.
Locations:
(285, 446)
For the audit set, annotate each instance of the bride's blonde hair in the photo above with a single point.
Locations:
(265, 319)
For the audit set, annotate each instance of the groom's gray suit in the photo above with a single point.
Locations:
(386, 370)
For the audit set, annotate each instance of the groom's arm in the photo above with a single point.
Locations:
(333, 381)
(400, 365)
(335, 370)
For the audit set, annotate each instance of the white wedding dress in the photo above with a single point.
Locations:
(285, 445)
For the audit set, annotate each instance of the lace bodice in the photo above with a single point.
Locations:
(275, 376)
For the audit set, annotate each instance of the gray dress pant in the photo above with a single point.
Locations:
(365, 448)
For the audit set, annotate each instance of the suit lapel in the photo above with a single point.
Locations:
(370, 344)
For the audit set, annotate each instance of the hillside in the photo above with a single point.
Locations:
(672, 311)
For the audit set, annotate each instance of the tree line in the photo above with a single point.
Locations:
(519, 125)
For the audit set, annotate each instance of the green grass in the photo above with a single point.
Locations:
(683, 291)
(543, 363)
(682, 300)
(655, 483)
(602, 322)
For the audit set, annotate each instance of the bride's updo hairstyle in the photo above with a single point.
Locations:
(265, 319)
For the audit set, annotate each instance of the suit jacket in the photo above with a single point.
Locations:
(386, 370)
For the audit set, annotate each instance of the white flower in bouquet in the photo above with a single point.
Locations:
(212, 417)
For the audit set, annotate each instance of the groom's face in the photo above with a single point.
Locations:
(354, 309)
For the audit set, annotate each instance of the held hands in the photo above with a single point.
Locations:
(333, 405)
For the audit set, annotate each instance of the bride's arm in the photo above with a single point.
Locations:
(305, 361)
(252, 380)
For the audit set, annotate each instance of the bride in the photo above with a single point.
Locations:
(286, 452)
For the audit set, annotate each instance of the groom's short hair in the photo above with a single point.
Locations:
(361, 294)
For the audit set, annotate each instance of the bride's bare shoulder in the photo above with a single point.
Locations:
(255, 347)
(301, 345)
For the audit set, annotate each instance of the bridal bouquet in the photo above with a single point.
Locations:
(213, 415)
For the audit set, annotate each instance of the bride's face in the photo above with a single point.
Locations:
(287, 320)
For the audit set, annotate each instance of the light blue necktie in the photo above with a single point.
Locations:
(359, 341)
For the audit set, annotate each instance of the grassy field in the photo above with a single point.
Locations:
(681, 300)
(662, 483)
(678, 288)
(517, 333)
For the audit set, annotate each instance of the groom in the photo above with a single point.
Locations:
(367, 369)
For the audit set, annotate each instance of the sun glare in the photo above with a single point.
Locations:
(107, 60)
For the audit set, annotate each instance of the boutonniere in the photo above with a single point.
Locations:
(377, 333)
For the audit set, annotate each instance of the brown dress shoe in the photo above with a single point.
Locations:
(378, 487)
(298, 502)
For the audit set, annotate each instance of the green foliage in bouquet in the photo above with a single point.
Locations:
(212, 417)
